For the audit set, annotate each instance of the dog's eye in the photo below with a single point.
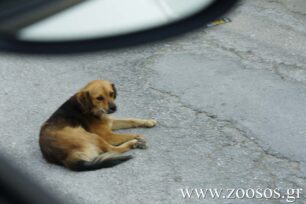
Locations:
(100, 98)
(111, 94)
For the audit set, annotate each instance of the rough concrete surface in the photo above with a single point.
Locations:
(230, 102)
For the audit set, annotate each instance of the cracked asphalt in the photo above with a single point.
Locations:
(230, 102)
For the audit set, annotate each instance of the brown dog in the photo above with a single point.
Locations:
(79, 135)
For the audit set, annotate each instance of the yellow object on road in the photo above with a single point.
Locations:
(218, 22)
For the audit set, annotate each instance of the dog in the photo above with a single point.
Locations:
(79, 134)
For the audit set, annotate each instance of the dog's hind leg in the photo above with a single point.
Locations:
(132, 123)
(121, 138)
(96, 153)
(107, 137)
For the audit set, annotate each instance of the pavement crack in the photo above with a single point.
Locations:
(282, 3)
(168, 93)
(285, 70)
(265, 152)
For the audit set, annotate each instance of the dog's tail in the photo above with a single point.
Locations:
(105, 160)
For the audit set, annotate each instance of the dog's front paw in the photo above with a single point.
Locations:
(149, 123)
(140, 144)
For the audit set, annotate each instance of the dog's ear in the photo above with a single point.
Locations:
(83, 98)
(115, 91)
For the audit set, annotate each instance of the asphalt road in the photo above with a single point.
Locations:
(229, 101)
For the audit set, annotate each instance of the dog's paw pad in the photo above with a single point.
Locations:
(140, 144)
(150, 123)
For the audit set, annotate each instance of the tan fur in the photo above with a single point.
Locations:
(64, 143)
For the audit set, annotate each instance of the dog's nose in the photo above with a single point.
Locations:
(112, 108)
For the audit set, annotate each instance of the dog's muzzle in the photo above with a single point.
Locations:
(111, 108)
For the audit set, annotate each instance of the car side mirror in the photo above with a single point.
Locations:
(69, 26)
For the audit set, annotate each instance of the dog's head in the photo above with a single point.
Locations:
(98, 97)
